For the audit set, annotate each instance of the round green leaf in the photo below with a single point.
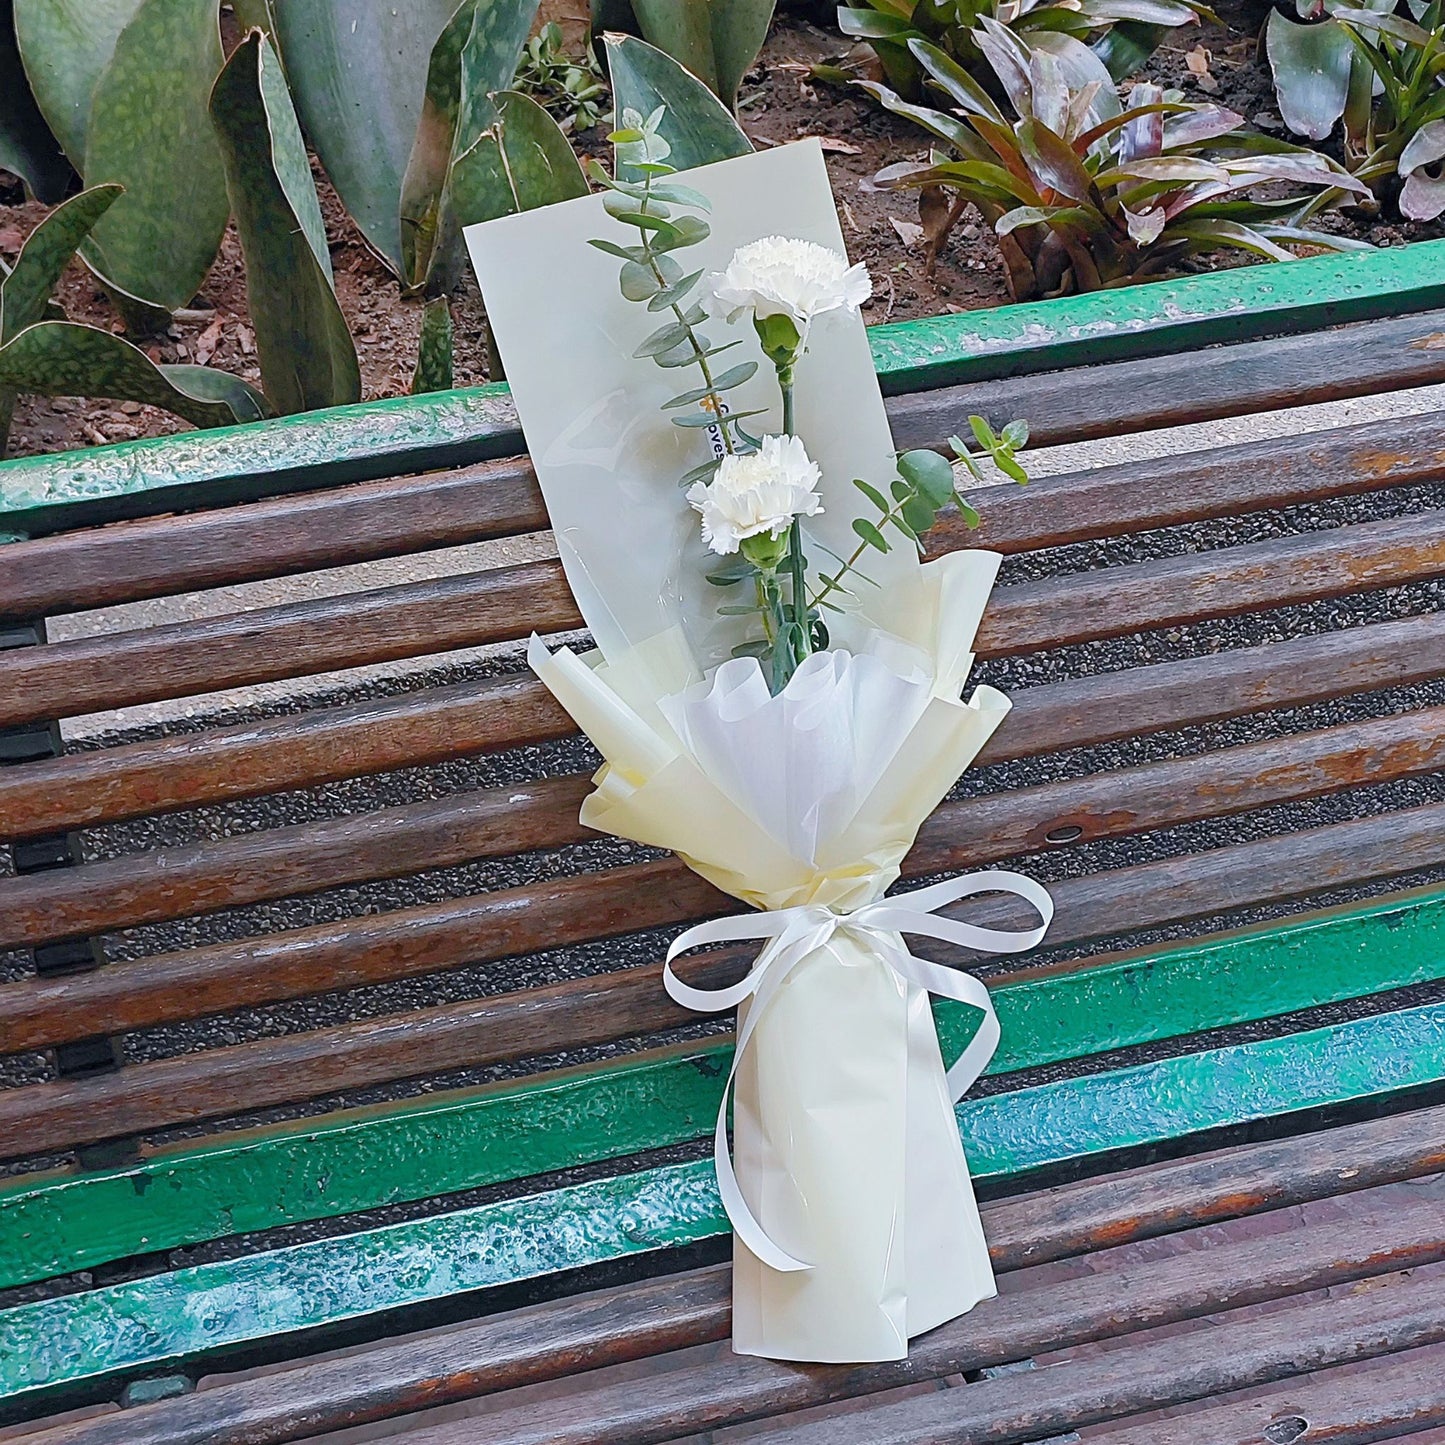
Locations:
(930, 473)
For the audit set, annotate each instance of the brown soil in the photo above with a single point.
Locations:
(780, 104)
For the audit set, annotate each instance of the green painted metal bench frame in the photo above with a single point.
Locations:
(81, 1345)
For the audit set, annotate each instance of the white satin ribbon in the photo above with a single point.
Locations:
(791, 934)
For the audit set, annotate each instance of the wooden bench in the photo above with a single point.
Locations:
(479, 1205)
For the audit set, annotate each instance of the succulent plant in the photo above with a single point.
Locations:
(1083, 193)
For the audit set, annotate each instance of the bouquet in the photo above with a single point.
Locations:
(777, 694)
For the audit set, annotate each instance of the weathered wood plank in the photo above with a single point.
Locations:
(1390, 1398)
(292, 639)
(285, 862)
(400, 1376)
(388, 438)
(602, 1009)
(1026, 1319)
(279, 862)
(348, 1276)
(190, 769)
(1136, 393)
(273, 538)
(429, 1147)
(1401, 1315)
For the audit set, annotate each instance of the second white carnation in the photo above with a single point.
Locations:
(785, 276)
(760, 492)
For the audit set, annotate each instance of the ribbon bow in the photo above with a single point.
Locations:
(791, 934)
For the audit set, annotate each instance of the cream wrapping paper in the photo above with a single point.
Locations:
(855, 1216)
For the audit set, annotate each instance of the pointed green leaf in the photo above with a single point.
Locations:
(704, 473)
(684, 231)
(45, 254)
(707, 418)
(63, 358)
(675, 293)
(739, 28)
(434, 355)
(475, 55)
(28, 149)
(65, 44)
(149, 130)
(358, 74)
(305, 351)
(697, 126)
(726, 382)
(663, 339)
(682, 29)
(875, 496)
(1311, 68)
(871, 535)
(623, 253)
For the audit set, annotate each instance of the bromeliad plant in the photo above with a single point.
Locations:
(1403, 133)
(1123, 33)
(755, 490)
(1084, 194)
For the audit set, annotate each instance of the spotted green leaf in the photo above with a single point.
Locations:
(27, 147)
(149, 130)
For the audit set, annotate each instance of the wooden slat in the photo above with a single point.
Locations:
(438, 1144)
(1402, 1314)
(600, 1009)
(632, 1322)
(293, 639)
(192, 769)
(280, 862)
(276, 537)
(171, 883)
(387, 438)
(271, 538)
(1395, 1397)
(1115, 1299)
(1230, 481)
(1138, 393)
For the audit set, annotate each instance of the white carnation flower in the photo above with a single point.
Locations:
(781, 276)
(759, 492)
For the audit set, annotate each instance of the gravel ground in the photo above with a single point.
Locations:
(570, 757)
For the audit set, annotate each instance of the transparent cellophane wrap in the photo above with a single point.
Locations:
(846, 1144)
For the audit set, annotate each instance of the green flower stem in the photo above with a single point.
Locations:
(698, 352)
(800, 641)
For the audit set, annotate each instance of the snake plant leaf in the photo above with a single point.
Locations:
(27, 147)
(1311, 67)
(434, 355)
(695, 123)
(65, 358)
(65, 45)
(357, 73)
(148, 130)
(523, 161)
(715, 40)
(476, 54)
(305, 350)
(25, 292)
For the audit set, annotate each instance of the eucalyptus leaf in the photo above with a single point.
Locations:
(874, 495)
(623, 253)
(149, 130)
(357, 73)
(305, 350)
(707, 418)
(65, 45)
(930, 473)
(637, 281)
(675, 293)
(697, 126)
(663, 339)
(28, 149)
(684, 231)
(703, 473)
(871, 535)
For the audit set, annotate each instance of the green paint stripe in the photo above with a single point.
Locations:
(363, 1159)
(163, 1321)
(386, 438)
(1161, 317)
